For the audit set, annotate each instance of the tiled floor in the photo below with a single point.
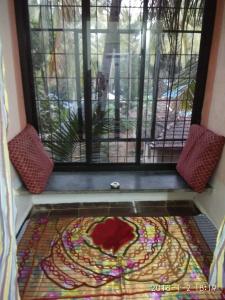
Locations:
(139, 208)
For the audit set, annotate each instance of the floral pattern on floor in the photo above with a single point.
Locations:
(62, 257)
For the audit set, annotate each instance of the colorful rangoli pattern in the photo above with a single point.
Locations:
(114, 258)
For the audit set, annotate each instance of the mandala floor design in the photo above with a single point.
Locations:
(114, 258)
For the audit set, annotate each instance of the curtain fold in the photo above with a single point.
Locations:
(217, 270)
(8, 266)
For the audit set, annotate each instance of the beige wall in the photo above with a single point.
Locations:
(213, 117)
(17, 118)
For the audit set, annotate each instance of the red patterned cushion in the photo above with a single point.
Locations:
(30, 159)
(199, 157)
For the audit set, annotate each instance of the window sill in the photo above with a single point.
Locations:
(140, 181)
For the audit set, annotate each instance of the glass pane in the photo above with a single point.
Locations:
(115, 51)
(114, 152)
(170, 74)
(115, 66)
(57, 59)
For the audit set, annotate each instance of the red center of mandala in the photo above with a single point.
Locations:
(113, 233)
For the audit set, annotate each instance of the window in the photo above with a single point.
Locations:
(114, 81)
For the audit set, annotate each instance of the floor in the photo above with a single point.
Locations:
(58, 214)
(138, 208)
(207, 229)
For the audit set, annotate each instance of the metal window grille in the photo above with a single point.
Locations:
(114, 82)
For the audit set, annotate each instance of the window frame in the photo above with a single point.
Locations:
(24, 43)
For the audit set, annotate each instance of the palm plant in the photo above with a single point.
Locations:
(67, 138)
(187, 18)
(182, 88)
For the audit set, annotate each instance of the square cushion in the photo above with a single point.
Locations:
(30, 159)
(199, 157)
